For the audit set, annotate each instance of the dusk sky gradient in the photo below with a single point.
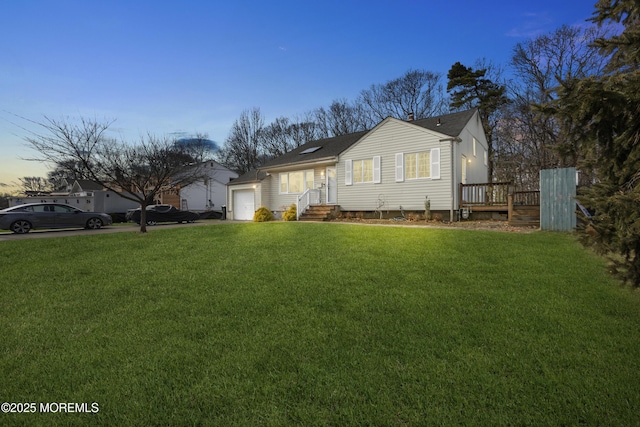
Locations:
(190, 67)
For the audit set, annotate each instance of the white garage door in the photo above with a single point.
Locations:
(243, 207)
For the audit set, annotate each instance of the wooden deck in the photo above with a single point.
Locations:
(488, 197)
(521, 207)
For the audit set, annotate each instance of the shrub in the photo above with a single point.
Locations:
(263, 214)
(291, 213)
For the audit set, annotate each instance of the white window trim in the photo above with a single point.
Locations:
(348, 171)
(474, 147)
(304, 180)
(434, 165)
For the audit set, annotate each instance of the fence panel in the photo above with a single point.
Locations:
(557, 199)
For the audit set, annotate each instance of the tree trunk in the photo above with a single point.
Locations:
(143, 217)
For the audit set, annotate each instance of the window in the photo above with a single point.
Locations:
(362, 171)
(417, 165)
(296, 182)
(63, 209)
(474, 147)
(486, 158)
(421, 165)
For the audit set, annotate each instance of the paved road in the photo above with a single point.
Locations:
(41, 234)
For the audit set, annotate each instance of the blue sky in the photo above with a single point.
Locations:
(193, 66)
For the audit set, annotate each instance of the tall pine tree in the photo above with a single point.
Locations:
(471, 88)
(608, 109)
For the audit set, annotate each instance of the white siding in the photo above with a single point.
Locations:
(203, 195)
(209, 193)
(389, 139)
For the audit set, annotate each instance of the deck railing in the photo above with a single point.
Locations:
(487, 194)
(526, 198)
(306, 199)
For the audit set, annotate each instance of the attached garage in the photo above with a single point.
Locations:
(243, 204)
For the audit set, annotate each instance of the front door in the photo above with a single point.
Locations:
(332, 186)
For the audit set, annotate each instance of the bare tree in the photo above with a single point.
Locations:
(303, 129)
(242, 149)
(543, 66)
(276, 138)
(136, 172)
(284, 135)
(33, 184)
(341, 118)
(417, 92)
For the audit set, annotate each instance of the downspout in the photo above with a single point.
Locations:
(453, 173)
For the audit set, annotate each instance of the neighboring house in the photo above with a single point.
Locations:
(85, 195)
(396, 164)
(205, 194)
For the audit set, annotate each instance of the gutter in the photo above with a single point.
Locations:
(296, 165)
(453, 172)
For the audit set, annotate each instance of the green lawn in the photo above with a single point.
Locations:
(317, 324)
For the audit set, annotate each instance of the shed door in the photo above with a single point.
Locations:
(243, 205)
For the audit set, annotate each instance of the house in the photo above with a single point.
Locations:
(83, 194)
(207, 193)
(393, 167)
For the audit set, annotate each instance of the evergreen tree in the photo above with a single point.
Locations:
(608, 109)
(472, 88)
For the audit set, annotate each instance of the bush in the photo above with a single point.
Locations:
(291, 213)
(263, 214)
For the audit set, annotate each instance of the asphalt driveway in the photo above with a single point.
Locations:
(120, 228)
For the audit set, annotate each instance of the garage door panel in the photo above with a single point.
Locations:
(243, 205)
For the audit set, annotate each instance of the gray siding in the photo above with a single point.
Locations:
(280, 202)
(391, 137)
(477, 171)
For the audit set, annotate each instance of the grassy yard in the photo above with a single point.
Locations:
(317, 324)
